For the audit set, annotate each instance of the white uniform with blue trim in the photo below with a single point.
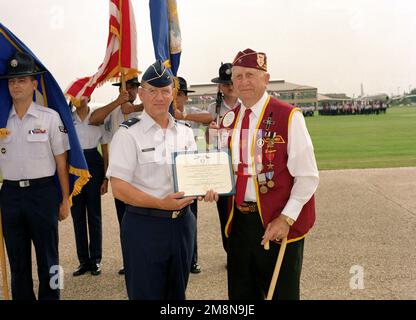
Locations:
(29, 149)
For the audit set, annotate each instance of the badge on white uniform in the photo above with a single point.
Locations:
(228, 119)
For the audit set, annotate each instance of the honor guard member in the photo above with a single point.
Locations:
(225, 86)
(33, 150)
(112, 115)
(276, 179)
(119, 110)
(193, 117)
(226, 100)
(86, 207)
(158, 228)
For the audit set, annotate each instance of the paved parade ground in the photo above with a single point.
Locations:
(363, 245)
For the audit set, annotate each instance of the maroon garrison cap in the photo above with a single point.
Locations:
(251, 59)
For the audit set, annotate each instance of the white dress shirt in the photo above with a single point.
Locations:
(89, 136)
(301, 161)
(115, 118)
(28, 151)
(142, 154)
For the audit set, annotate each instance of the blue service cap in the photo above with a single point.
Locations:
(157, 75)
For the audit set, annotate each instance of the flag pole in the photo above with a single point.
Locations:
(123, 81)
(175, 93)
(3, 264)
(123, 88)
(123, 76)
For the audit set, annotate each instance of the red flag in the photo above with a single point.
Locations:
(121, 54)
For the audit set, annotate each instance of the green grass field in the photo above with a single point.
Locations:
(365, 141)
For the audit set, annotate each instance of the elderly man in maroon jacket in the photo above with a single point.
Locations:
(276, 178)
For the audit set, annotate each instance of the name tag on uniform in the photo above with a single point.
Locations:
(148, 149)
(38, 131)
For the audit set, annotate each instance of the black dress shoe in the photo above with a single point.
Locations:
(196, 268)
(96, 269)
(121, 271)
(83, 268)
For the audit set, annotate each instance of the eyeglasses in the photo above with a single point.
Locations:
(166, 93)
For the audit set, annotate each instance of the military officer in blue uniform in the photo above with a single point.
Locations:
(158, 228)
(86, 208)
(32, 151)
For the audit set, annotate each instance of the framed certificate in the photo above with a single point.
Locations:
(196, 173)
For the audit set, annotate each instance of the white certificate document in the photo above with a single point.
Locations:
(196, 173)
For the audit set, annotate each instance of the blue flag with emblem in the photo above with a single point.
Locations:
(166, 33)
(48, 94)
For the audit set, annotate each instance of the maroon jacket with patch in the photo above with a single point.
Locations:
(273, 202)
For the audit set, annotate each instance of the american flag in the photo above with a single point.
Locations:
(121, 53)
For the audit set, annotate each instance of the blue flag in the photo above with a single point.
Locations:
(48, 94)
(166, 33)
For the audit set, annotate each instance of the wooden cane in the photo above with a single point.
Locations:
(277, 269)
(3, 264)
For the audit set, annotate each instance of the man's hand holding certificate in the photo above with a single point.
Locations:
(197, 173)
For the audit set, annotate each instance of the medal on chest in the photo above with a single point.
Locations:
(269, 122)
(265, 166)
(261, 178)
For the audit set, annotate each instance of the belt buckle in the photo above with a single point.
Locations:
(175, 214)
(247, 208)
(24, 183)
(244, 209)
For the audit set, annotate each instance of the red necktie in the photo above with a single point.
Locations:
(242, 178)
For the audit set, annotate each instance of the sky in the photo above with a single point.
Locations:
(333, 45)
